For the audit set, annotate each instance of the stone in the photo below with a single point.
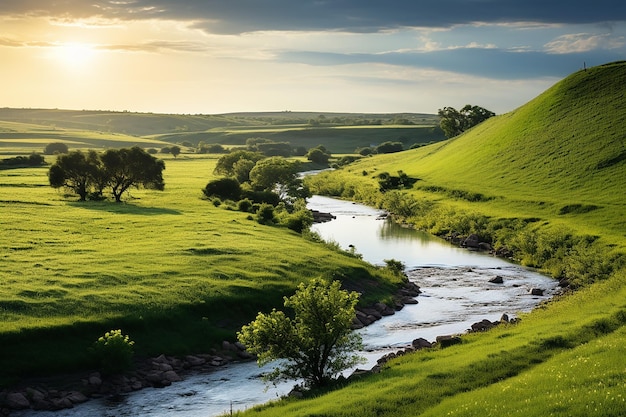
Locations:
(497, 280)
(35, 395)
(17, 401)
(172, 376)
(536, 291)
(421, 343)
(76, 397)
(194, 360)
(448, 340)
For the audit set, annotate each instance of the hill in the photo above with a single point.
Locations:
(339, 132)
(548, 177)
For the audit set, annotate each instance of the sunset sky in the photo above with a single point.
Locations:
(219, 56)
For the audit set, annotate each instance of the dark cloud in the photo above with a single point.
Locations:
(488, 63)
(237, 16)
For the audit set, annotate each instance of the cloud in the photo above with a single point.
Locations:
(478, 62)
(239, 16)
(582, 42)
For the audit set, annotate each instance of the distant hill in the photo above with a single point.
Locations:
(340, 132)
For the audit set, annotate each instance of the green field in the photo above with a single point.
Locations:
(169, 268)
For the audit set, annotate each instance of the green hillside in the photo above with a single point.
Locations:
(548, 180)
(561, 157)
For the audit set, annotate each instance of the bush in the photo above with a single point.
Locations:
(244, 205)
(265, 214)
(224, 188)
(56, 147)
(114, 352)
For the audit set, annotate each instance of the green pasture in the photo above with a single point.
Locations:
(171, 269)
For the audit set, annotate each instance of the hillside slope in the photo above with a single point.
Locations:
(562, 153)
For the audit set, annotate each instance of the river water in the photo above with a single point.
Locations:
(456, 292)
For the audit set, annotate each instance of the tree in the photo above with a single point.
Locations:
(454, 122)
(134, 167)
(318, 156)
(56, 147)
(389, 147)
(175, 150)
(224, 188)
(226, 162)
(76, 171)
(317, 343)
(278, 175)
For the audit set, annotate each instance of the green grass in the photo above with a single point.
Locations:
(173, 271)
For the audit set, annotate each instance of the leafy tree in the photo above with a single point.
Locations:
(175, 150)
(390, 147)
(56, 147)
(225, 165)
(241, 169)
(318, 156)
(224, 188)
(279, 175)
(134, 167)
(317, 343)
(76, 171)
(454, 122)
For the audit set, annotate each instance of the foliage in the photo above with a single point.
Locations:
(175, 150)
(390, 182)
(265, 214)
(318, 155)
(225, 188)
(317, 343)
(77, 171)
(389, 147)
(278, 175)
(454, 122)
(226, 164)
(55, 147)
(32, 160)
(114, 352)
(134, 167)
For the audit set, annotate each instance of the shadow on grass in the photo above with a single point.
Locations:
(123, 208)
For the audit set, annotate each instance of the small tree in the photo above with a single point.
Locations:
(317, 343)
(454, 122)
(76, 171)
(175, 151)
(55, 147)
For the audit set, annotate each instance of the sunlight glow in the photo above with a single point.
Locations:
(75, 55)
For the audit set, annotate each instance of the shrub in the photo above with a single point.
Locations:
(265, 214)
(244, 205)
(114, 352)
(56, 147)
(224, 188)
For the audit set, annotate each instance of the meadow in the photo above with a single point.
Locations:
(175, 272)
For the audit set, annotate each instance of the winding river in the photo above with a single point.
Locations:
(456, 292)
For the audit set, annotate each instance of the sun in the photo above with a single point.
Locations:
(75, 55)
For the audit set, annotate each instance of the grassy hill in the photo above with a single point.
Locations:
(547, 174)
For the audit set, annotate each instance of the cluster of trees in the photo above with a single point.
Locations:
(262, 186)
(89, 174)
(454, 122)
(33, 160)
(385, 147)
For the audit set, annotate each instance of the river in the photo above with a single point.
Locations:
(456, 292)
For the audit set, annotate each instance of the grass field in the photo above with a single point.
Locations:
(175, 272)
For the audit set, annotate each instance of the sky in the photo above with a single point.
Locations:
(221, 56)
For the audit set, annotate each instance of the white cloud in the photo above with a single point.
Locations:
(583, 42)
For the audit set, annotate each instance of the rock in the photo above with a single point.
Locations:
(471, 241)
(483, 326)
(35, 395)
(421, 343)
(76, 397)
(165, 367)
(484, 246)
(17, 401)
(95, 379)
(536, 291)
(448, 340)
(504, 318)
(409, 300)
(194, 360)
(240, 346)
(154, 377)
(497, 280)
(172, 376)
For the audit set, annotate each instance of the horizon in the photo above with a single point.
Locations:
(245, 56)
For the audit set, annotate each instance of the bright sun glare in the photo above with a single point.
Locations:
(75, 55)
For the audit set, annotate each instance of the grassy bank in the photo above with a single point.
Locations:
(175, 272)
